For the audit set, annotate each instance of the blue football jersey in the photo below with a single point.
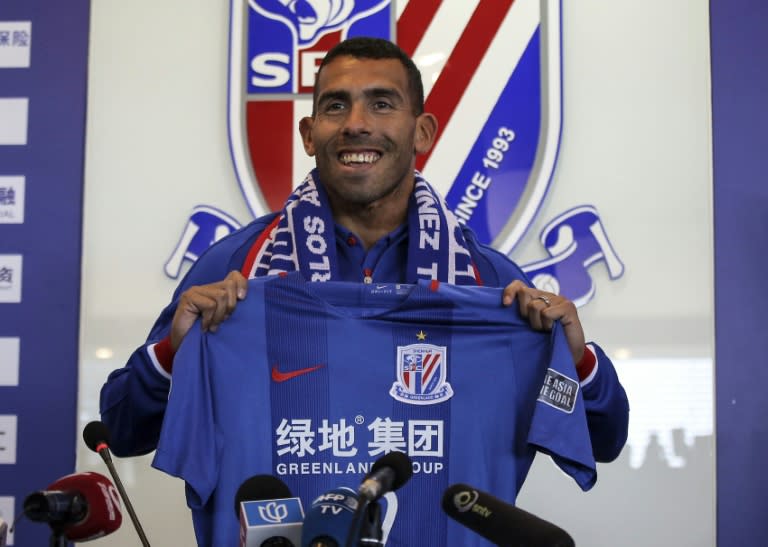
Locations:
(313, 382)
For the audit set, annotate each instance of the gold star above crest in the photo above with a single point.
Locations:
(421, 335)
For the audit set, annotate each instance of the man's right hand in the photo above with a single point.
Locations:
(214, 303)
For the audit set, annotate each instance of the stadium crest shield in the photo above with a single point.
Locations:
(491, 71)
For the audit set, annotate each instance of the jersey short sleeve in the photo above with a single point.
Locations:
(188, 446)
(558, 426)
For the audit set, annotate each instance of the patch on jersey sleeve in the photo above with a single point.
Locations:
(559, 391)
(422, 372)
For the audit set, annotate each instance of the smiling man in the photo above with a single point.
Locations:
(364, 215)
(367, 127)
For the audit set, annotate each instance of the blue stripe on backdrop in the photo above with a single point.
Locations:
(740, 138)
(46, 319)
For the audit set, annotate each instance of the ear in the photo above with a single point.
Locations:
(305, 128)
(426, 129)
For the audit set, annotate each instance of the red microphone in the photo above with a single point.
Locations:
(81, 506)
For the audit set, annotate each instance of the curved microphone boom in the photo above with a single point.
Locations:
(78, 507)
(499, 522)
(96, 437)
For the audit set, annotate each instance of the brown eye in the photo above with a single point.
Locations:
(334, 107)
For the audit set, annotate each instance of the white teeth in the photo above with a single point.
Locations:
(359, 157)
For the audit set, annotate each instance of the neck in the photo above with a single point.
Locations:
(370, 224)
(372, 221)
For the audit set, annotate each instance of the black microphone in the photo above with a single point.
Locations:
(269, 515)
(260, 487)
(78, 507)
(96, 437)
(503, 524)
(388, 473)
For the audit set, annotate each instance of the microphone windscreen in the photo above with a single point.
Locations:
(104, 514)
(260, 487)
(95, 434)
(329, 518)
(500, 522)
(399, 463)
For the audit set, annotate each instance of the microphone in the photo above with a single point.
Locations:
(388, 473)
(81, 506)
(500, 522)
(260, 487)
(96, 437)
(330, 518)
(269, 515)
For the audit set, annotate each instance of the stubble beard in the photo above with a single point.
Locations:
(361, 193)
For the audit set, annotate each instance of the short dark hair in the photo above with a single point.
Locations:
(364, 47)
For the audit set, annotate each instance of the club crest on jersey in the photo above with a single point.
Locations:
(421, 375)
(491, 72)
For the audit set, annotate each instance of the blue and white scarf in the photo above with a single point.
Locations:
(302, 237)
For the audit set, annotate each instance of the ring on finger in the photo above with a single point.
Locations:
(544, 299)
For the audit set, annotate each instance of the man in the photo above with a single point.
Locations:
(367, 126)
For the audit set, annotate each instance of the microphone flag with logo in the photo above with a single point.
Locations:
(81, 506)
(268, 515)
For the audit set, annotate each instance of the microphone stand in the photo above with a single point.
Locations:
(105, 455)
(355, 529)
(58, 539)
(371, 534)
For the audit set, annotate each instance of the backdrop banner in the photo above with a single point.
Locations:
(43, 66)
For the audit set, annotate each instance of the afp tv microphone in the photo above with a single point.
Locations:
(269, 515)
(330, 518)
(499, 522)
(78, 507)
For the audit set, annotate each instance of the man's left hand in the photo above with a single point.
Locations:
(542, 309)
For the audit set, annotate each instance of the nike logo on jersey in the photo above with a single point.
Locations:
(279, 376)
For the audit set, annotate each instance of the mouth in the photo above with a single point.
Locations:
(360, 157)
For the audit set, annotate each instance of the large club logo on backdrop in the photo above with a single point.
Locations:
(491, 72)
(275, 50)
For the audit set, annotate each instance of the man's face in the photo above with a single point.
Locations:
(364, 134)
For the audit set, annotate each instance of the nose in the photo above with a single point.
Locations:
(357, 121)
